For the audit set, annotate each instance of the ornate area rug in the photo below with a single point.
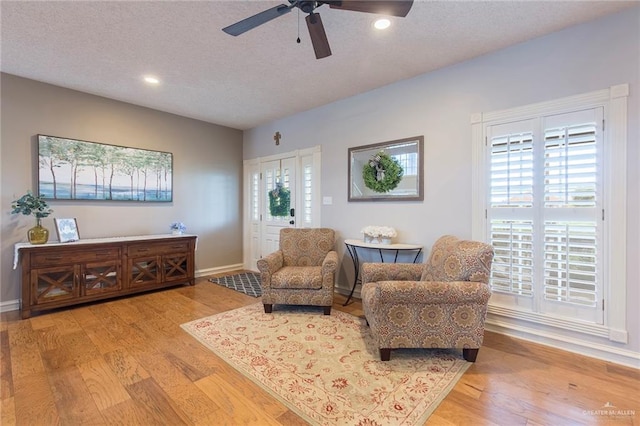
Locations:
(245, 282)
(326, 368)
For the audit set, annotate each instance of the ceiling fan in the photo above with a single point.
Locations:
(314, 23)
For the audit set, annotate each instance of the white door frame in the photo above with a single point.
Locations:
(307, 198)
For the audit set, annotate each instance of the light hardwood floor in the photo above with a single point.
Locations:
(128, 362)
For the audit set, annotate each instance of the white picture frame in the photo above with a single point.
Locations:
(67, 229)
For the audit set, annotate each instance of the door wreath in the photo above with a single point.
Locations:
(382, 173)
(279, 201)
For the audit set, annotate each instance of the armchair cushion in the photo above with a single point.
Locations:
(309, 277)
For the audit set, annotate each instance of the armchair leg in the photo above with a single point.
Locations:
(268, 308)
(470, 354)
(327, 310)
(385, 354)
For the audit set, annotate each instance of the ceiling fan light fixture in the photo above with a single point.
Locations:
(151, 80)
(316, 29)
(382, 24)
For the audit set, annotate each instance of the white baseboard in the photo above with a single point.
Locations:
(14, 305)
(218, 270)
(10, 305)
(575, 345)
(344, 290)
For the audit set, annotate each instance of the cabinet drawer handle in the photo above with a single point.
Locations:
(143, 249)
(53, 258)
(177, 247)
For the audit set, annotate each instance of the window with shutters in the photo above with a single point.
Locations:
(546, 187)
(543, 198)
(309, 216)
(255, 196)
(307, 188)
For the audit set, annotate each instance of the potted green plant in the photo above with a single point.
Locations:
(28, 205)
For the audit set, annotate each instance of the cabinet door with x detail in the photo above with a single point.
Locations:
(50, 285)
(175, 267)
(101, 277)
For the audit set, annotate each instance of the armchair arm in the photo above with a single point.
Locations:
(432, 292)
(268, 265)
(330, 263)
(373, 272)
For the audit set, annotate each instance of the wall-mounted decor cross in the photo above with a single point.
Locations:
(277, 137)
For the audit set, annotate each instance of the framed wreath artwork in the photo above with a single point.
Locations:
(387, 171)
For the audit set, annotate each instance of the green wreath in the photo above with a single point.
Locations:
(279, 201)
(382, 173)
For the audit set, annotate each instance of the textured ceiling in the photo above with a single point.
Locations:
(104, 48)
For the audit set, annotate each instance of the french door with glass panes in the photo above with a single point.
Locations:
(280, 192)
(278, 200)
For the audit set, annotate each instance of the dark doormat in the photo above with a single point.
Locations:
(245, 282)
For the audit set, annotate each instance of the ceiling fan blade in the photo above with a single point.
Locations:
(318, 36)
(257, 20)
(383, 7)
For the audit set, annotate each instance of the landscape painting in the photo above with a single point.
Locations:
(70, 169)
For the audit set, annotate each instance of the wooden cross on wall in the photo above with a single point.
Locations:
(277, 137)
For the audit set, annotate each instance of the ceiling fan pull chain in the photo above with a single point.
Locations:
(298, 39)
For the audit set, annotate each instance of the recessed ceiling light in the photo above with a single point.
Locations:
(151, 79)
(382, 23)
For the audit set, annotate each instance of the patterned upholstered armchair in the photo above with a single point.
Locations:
(302, 272)
(440, 304)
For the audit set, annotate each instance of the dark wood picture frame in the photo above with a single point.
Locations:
(408, 152)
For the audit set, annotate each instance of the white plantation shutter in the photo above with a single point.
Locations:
(512, 270)
(572, 212)
(543, 215)
(255, 196)
(511, 178)
(309, 215)
(570, 166)
(307, 191)
(510, 206)
(510, 210)
(572, 206)
(570, 264)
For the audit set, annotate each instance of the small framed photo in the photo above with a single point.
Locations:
(67, 230)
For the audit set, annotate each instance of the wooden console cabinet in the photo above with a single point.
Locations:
(64, 274)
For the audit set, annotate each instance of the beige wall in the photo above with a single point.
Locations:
(207, 180)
